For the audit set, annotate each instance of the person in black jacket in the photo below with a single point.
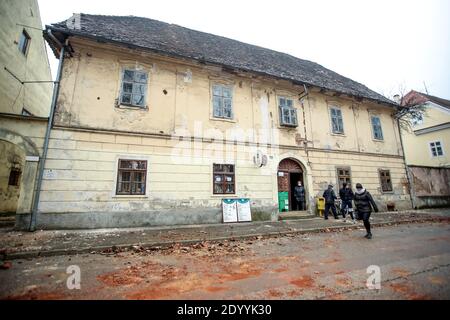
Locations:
(364, 204)
(299, 195)
(330, 196)
(346, 195)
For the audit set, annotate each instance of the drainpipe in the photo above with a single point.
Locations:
(34, 210)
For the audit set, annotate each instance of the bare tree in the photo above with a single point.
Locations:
(408, 110)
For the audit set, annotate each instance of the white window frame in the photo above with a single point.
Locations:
(292, 112)
(222, 98)
(334, 107)
(373, 129)
(431, 148)
(133, 84)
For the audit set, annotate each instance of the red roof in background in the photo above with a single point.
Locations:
(415, 97)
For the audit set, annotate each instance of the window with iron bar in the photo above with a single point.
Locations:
(14, 177)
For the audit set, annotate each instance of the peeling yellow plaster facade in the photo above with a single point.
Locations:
(178, 136)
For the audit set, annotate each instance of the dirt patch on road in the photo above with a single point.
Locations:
(35, 293)
(401, 272)
(303, 282)
(407, 291)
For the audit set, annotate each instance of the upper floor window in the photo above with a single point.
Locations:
(376, 128)
(24, 42)
(133, 88)
(337, 124)
(222, 101)
(288, 114)
(131, 177)
(436, 149)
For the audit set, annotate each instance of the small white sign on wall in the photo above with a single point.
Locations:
(49, 174)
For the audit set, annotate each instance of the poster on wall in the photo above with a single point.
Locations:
(229, 210)
(243, 210)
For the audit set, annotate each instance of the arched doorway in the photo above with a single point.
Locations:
(23, 159)
(289, 173)
(12, 161)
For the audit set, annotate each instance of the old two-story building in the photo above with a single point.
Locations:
(155, 124)
(25, 99)
(426, 145)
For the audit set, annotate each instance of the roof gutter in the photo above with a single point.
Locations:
(34, 210)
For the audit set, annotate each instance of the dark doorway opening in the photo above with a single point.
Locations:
(294, 177)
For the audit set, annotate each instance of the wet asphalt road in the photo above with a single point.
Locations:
(414, 261)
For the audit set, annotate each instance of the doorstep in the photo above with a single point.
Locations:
(295, 215)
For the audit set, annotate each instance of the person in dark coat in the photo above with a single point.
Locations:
(346, 195)
(299, 195)
(330, 196)
(364, 204)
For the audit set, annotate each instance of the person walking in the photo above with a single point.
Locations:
(299, 194)
(364, 204)
(330, 196)
(346, 194)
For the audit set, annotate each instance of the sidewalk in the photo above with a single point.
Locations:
(21, 245)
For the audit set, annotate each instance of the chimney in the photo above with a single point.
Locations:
(397, 98)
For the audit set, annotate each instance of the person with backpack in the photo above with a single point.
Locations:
(330, 196)
(346, 194)
(364, 204)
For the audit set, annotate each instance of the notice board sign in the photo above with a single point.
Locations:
(243, 210)
(229, 210)
(236, 210)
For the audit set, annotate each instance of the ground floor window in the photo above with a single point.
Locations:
(343, 175)
(14, 177)
(131, 177)
(224, 179)
(385, 180)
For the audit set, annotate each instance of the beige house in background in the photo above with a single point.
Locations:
(155, 124)
(427, 150)
(24, 101)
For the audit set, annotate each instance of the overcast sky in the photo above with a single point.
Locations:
(384, 44)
